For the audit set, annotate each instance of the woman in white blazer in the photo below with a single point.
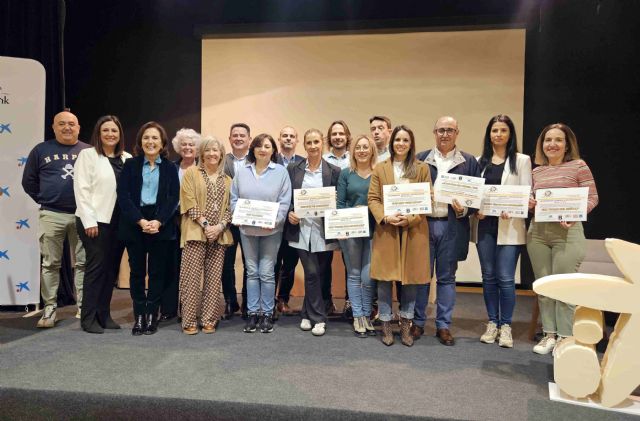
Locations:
(97, 171)
(499, 239)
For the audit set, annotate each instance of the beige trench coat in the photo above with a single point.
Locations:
(398, 253)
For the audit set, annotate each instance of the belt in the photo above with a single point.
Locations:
(443, 218)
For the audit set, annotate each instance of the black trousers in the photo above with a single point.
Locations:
(285, 270)
(103, 255)
(157, 252)
(315, 266)
(169, 300)
(229, 270)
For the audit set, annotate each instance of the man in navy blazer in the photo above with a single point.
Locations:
(287, 259)
(448, 230)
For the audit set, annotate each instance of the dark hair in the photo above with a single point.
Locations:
(163, 136)
(347, 133)
(410, 167)
(381, 118)
(512, 143)
(243, 125)
(96, 140)
(257, 142)
(570, 154)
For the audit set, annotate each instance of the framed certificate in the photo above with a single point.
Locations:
(555, 205)
(506, 198)
(256, 213)
(311, 203)
(466, 189)
(346, 223)
(408, 198)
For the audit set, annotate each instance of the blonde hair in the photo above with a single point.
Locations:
(353, 165)
(208, 142)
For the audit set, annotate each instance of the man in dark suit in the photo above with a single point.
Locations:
(448, 230)
(287, 257)
(240, 139)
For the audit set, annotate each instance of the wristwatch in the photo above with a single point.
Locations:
(205, 224)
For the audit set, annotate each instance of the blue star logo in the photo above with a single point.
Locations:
(23, 286)
(5, 128)
(4, 191)
(22, 160)
(4, 254)
(22, 223)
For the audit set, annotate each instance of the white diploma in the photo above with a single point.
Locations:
(346, 223)
(513, 200)
(555, 205)
(256, 213)
(465, 189)
(311, 203)
(407, 198)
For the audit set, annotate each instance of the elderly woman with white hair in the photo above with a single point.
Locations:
(186, 143)
(206, 215)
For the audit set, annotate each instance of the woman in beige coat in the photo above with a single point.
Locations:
(400, 249)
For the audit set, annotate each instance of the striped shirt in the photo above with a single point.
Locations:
(573, 173)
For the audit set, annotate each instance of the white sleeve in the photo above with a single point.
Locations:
(84, 170)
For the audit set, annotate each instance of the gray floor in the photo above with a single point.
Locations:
(289, 367)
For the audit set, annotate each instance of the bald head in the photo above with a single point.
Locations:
(66, 128)
(446, 133)
(288, 140)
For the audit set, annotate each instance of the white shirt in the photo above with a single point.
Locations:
(342, 161)
(444, 164)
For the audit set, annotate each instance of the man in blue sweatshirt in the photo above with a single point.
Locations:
(48, 179)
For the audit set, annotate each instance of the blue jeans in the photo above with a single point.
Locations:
(260, 254)
(498, 265)
(357, 258)
(407, 300)
(442, 252)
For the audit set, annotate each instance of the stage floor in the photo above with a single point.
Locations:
(288, 368)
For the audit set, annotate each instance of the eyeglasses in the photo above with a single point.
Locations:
(448, 131)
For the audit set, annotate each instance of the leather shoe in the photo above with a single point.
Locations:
(283, 308)
(229, 310)
(139, 325)
(192, 330)
(152, 324)
(416, 331)
(445, 337)
(165, 317)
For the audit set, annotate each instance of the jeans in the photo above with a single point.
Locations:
(407, 300)
(554, 250)
(442, 253)
(498, 265)
(260, 254)
(356, 253)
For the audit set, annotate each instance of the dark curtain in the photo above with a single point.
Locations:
(30, 29)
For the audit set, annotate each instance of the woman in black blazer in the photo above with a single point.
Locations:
(307, 235)
(148, 192)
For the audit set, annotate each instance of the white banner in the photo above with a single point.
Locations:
(22, 97)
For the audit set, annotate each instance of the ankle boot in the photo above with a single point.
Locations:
(139, 325)
(387, 334)
(152, 323)
(405, 332)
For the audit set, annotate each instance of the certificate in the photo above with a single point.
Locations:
(513, 200)
(311, 203)
(466, 189)
(346, 223)
(408, 198)
(255, 213)
(554, 205)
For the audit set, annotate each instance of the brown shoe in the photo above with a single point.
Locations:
(405, 332)
(190, 330)
(445, 337)
(387, 334)
(284, 308)
(416, 331)
(209, 328)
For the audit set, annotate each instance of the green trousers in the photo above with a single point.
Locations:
(554, 250)
(53, 227)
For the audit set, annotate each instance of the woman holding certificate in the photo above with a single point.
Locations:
(261, 179)
(204, 206)
(306, 235)
(400, 250)
(499, 238)
(558, 247)
(353, 188)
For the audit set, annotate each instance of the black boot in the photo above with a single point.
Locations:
(152, 323)
(139, 325)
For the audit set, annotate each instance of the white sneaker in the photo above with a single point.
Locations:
(78, 313)
(506, 339)
(305, 324)
(48, 318)
(318, 329)
(559, 340)
(489, 336)
(546, 344)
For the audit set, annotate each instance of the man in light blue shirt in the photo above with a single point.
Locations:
(338, 140)
(288, 142)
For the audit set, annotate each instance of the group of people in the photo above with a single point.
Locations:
(175, 220)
